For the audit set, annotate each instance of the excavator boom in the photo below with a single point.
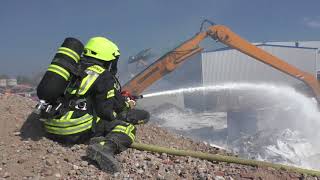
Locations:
(175, 58)
(164, 65)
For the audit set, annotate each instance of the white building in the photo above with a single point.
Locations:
(229, 65)
(8, 82)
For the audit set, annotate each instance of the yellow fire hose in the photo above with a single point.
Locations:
(220, 158)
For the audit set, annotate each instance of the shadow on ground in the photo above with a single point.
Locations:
(32, 128)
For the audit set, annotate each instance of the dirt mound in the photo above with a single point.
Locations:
(26, 154)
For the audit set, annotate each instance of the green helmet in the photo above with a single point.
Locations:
(101, 48)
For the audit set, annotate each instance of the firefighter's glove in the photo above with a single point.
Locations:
(131, 103)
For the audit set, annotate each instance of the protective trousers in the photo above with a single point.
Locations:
(117, 131)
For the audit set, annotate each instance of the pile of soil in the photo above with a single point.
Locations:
(27, 154)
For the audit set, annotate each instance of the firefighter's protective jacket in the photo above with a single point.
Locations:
(98, 98)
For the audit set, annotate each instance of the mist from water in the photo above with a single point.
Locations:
(301, 111)
(290, 110)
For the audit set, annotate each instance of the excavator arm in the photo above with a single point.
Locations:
(164, 65)
(175, 58)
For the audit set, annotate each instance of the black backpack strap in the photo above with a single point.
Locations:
(94, 114)
(74, 69)
(94, 120)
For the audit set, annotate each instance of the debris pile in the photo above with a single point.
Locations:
(27, 154)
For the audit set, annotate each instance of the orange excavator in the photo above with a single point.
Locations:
(173, 59)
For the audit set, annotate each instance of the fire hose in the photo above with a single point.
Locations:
(215, 157)
(221, 158)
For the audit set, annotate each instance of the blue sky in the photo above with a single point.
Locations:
(32, 30)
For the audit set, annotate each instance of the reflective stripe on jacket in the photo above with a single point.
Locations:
(67, 124)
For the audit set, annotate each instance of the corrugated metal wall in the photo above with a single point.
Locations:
(234, 66)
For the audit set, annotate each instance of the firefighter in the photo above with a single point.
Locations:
(93, 107)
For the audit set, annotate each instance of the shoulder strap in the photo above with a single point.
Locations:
(92, 73)
(74, 69)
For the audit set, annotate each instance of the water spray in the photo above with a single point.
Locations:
(303, 116)
(227, 86)
(193, 89)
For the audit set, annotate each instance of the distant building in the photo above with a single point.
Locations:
(3, 83)
(229, 65)
(12, 82)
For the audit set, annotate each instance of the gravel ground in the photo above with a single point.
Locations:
(27, 154)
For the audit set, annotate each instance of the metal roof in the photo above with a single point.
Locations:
(265, 44)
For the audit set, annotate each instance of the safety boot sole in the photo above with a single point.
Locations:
(105, 160)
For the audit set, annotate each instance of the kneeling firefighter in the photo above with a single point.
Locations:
(91, 107)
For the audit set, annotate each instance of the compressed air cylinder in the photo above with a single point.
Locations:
(60, 71)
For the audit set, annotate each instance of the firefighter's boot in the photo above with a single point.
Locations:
(103, 154)
(96, 140)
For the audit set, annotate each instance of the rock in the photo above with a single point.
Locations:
(202, 176)
(47, 172)
(84, 163)
(117, 174)
(164, 156)
(147, 158)
(140, 171)
(136, 164)
(229, 178)
(49, 162)
(219, 178)
(17, 133)
(36, 177)
(170, 176)
(246, 175)
(219, 173)
(179, 172)
(145, 167)
(55, 152)
(75, 167)
(28, 148)
(75, 147)
(83, 171)
(58, 175)
(22, 160)
(160, 176)
(72, 172)
(49, 150)
(6, 175)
